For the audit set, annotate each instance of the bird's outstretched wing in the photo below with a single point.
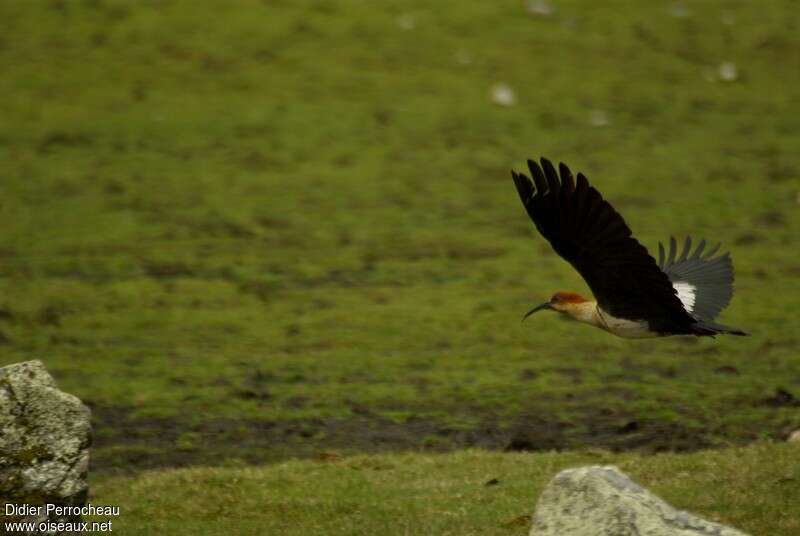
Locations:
(588, 233)
(708, 279)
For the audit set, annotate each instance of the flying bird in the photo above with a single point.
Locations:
(635, 297)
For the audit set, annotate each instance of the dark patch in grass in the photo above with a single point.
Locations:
(727, 369)
(619, 432)
(114, 187)
(55, 140)
(538, 436)
(271, 222)
(527, 375)
(252, 394)
(746, 239)
(296, 402)
(761, 274)
(6, 315)
(781, 398)
(771, 218)
(663, 437)
(127, 444)
(629, 427)
(573, 374)
(166, 270)
(49, 316)
(57, 338)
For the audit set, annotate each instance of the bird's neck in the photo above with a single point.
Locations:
(585, 312)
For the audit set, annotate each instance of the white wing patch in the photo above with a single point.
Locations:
(686, 293)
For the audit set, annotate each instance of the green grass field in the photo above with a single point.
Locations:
(249, 231)
(469, 492)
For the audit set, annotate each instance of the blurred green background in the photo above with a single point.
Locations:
(252, 230)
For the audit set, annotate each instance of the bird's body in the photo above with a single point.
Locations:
(590, 313)
(635, 297)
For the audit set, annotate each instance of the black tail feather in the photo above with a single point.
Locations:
(710, 329)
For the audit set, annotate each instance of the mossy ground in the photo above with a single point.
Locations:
(249, 230)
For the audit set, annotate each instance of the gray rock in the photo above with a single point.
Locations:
(44, 444)
(603, 501)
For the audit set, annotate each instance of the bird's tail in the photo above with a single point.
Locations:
(709, 329)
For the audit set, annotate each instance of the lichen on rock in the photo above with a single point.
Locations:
(44, 441)
(603, 501)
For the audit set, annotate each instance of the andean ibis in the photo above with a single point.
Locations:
(635, 296)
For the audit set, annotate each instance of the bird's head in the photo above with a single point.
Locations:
(563, 302)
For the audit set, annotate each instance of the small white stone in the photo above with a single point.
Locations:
(679, 10)
(503, 95)
(794, 437)
(598, 118)
(463, 57)
(406, 21)
(541, 8)
(728, 18)
(728, 72)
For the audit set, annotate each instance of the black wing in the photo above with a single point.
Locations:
(711, 277)
(588, 233)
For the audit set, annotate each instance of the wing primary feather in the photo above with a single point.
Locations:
(699, 250)
(552, 176)
(538, 177)
(567, 182)
(712, 252)
(523, 187)
(687, 246)
(578, 210)
(590, 211)
(566, 218)
(581, 187)
(660, 255)
(673, 247)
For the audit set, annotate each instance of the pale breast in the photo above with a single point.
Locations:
(623, 327)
